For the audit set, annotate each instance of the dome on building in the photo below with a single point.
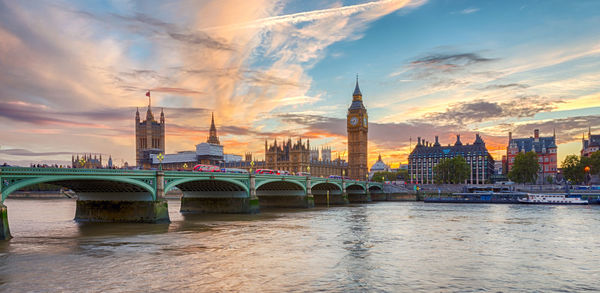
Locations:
(379, 166)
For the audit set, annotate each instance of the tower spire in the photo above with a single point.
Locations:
(149, 116)
(357, 94)
(149, 99)
(212, 138)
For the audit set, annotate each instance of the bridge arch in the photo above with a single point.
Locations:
(375, 188)
(208, 184)
(87, 183)
(279, 184)
(355, 187)
(326, 186)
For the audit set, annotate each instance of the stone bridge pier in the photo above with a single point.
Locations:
(218, 195)
(357, 193)
(377, 193)
(329, 193)
(285, 192)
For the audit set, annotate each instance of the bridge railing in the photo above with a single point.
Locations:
(34, 171)
(27, 170)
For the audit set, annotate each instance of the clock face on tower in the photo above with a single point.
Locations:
(353, 121)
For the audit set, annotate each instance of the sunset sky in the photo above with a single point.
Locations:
(73, 72)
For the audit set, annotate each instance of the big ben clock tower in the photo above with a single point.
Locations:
(358, 129)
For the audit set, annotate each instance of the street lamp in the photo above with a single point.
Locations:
(160, 158)
(587, 171)
(81, 162)
(251, 166)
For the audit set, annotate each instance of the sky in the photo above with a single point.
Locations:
(72, 73)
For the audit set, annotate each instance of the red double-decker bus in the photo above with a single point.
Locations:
(206, 168)
(265, 171)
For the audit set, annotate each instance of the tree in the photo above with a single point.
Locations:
(454, 171)
(525, 168)
(595, 162)
(570, 166)
(402, 174)
(383, 176)
(389, 176)
(573, 167)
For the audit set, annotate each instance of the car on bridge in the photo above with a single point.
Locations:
(338, 177)
(303, 174)
(234, 170)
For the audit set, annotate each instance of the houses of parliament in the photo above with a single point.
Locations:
(292, 156)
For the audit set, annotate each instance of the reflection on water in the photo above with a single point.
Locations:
(389, 247)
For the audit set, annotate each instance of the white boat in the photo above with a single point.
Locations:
(532, 198)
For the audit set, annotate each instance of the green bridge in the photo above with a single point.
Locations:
(106, 195)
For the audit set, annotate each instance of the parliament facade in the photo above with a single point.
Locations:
(149, 137)
(297, 157)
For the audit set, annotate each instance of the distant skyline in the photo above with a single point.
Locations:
(72, 73)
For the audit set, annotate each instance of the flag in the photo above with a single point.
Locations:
(148, 94)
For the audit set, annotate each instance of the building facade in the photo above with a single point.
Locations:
(425, 156)
(149, 137)
(297, 157)
(544, 147)
(590, 145)
(358, 129)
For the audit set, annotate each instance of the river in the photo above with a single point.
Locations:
(380, 247)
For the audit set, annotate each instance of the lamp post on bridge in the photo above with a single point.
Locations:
(82, 162)
(160, 158)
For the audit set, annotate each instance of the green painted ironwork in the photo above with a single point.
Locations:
(15, 178)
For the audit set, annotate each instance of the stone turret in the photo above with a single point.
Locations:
(213, 138)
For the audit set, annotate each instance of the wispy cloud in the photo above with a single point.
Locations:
(28, 153)
(469, 10)
(480, 110)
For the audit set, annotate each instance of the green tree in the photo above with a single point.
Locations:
(573, 167)
(595, 162)
(389, 176)
(383, 176)
(402, 174)
(525, 168)
(454, 171)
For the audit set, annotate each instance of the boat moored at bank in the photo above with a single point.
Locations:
(563, 199)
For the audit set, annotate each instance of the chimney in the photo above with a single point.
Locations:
(509, 136)
(536, 133)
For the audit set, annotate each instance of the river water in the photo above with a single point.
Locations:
(381, 247)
